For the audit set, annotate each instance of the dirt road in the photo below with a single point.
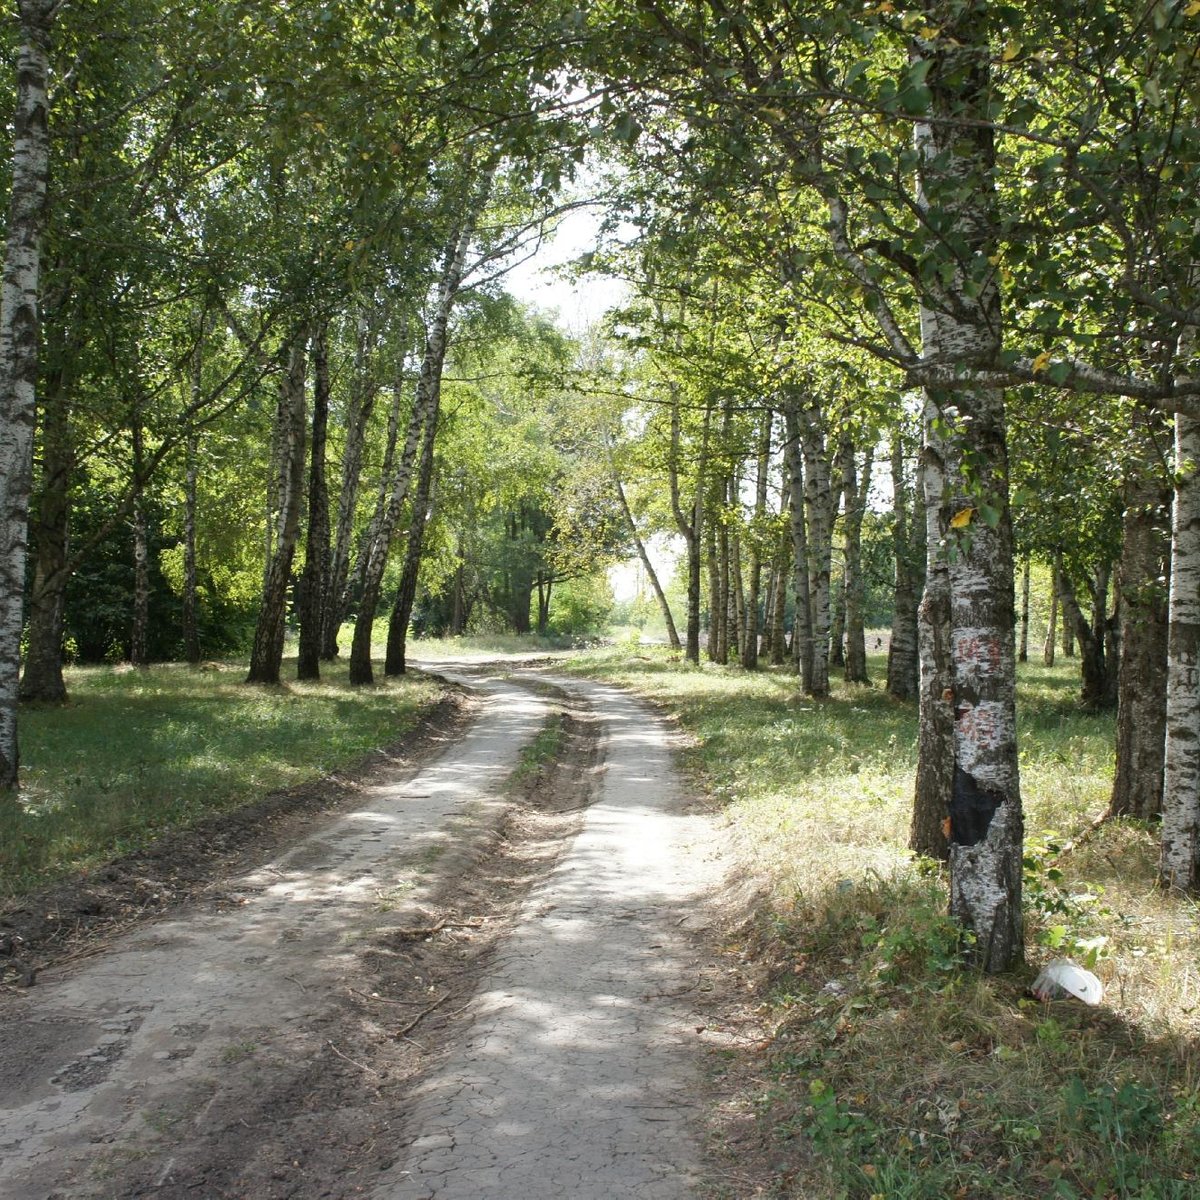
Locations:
(444, 993)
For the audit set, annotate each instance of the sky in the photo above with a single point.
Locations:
(579, 302)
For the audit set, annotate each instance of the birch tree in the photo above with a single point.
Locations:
(19, 296)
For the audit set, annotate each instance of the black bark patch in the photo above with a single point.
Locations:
(971, 809)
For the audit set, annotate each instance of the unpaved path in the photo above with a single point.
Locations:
(266, 1046)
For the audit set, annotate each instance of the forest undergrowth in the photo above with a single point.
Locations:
(890, 1070)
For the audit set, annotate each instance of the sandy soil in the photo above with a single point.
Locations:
(451, 990)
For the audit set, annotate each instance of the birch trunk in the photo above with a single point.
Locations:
(363, 392)
(802, 629)
(190, 607)
(856, 491)
(266, 655)
(19, 289)
(42, 679)
(1091, 644)
(690, 524)
(138, 655)
(721, 602)
(397, 639)
(1142, 674)
(820, 506)
(1023, 645)
(1179, 862)
(750, 645)
(716, 606)
(929, 833)
(425, 407)
(902, 667)
(780, 581)
(957, 164)
(1050, 644)
(652, 575)
(314, 583)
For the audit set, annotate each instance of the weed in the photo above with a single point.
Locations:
(238, 1052)
(892, 1071)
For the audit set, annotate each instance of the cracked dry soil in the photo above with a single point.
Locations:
(454, 989)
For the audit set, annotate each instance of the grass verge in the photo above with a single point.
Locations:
(135, 753)
(890, 1071)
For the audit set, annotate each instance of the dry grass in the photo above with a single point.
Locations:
(893, 1072)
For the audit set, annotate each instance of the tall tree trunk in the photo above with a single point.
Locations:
(722, 600)
(779, 576)
(1051, 642)
(802, 629)
(425, 406)
(266, 655)
(754, 569)
(1068, 634)
(820, 508)
(902, 645)
(690, 524)
(652, 575)
(363, 392)
(1023, 646)
(856, 490)
(1142, 674)
(397, 639)
(139, 633)
(314, 582)
(957, 168)
(737, 593)
(716, 602)
(837, 627)
(929, 833)
(19, 293)
(190, 601)
(1093, 668)
(1179, 862)
(43, 675)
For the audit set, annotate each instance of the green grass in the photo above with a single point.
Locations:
(891, 1070)
(135, 753)
(537, 757)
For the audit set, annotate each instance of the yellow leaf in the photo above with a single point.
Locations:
(929, 32)
(1042, 361)
(1011, 50)
(886, 7)
(1192, 9)
(962, 518)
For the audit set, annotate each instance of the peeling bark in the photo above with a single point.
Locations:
(19, 293)
(1179, 862)
(956, 165)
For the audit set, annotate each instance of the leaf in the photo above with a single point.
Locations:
(1011, 50)
(1042, 361)
(962, 518)
(1192, 9)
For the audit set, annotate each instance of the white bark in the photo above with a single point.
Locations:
(19, 352)
(1179, 865)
